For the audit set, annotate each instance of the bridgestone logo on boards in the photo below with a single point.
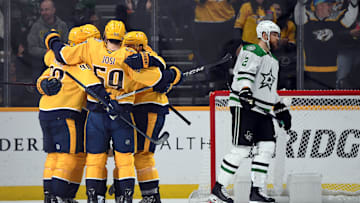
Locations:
(325, 143)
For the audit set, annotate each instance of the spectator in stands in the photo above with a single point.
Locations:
(122, 15)
(94, 19)
(48, 20)
(348, 59)
(286, 53)
(213, 24)
(139, 13)
(322, 25)
(250, 14)
(212, 29)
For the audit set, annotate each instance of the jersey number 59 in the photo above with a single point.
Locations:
(112, 78)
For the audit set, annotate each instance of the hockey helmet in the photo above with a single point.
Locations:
(114, 29)
(268, 27)
(90, 31)
(82, 33)
(135, 39)
(74, 36)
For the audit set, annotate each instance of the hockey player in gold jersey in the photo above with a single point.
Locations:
(117, 68)
(150, 108)
(62, 122)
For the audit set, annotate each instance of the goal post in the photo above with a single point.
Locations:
(324, 139)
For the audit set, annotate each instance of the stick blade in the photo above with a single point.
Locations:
(163, 138)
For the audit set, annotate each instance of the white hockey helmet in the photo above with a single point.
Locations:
(266, 26)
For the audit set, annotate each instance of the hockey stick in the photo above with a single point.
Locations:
(179, 114)
(250, 101)
(18, 83)
(161, 139)
(193, 71)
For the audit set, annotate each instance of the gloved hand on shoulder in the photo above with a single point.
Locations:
(50, 86)
(143, 60)
(170, 77)
(51, 37)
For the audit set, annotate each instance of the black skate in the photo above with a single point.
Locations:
(125, 198)
(47, 197)
(63, 200)
(219, 193)
(155, 198)
(257, 196)
(93, 198)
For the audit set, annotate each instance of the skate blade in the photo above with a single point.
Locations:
(213, 199)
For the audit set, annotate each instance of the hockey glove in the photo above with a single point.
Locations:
(50, 86)
(143, 60)
(178, 77)
(177, 80)
(51, 37)
(246, 99)
(115, 109)
(283, 114)
(168, 76)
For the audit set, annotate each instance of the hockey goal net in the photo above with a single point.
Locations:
(324, 139)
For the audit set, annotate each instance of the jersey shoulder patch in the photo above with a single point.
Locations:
(256, 49)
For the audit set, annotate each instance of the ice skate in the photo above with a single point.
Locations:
(257, 196)
(155, 198)
(219, 194)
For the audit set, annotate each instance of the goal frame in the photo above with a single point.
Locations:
(212, 105)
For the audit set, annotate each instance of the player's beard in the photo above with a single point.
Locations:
(274, 46)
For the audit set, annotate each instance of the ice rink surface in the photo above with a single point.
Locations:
(108, 201)
(282, 199)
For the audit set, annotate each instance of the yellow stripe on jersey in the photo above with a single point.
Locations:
(152, 118)
(109, 66)
(72, 131)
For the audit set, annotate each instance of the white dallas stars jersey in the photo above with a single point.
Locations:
(257, 70)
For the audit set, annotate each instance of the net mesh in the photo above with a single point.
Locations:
(324, 139)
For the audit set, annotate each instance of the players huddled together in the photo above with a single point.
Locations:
(81, 117)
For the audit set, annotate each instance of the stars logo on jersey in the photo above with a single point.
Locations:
(268, 80)
(248, 135)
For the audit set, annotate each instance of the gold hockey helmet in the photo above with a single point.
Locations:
(90, 31)
(114, 29)
(82, 33)
(135, 39)
(73, 37)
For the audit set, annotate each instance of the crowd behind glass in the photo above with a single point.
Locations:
(190, 33)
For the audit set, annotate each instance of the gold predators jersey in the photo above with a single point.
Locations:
(71, 96)
(109, 67)
(289, 32)
(214, 11)
(149, 96)
(247, 21)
